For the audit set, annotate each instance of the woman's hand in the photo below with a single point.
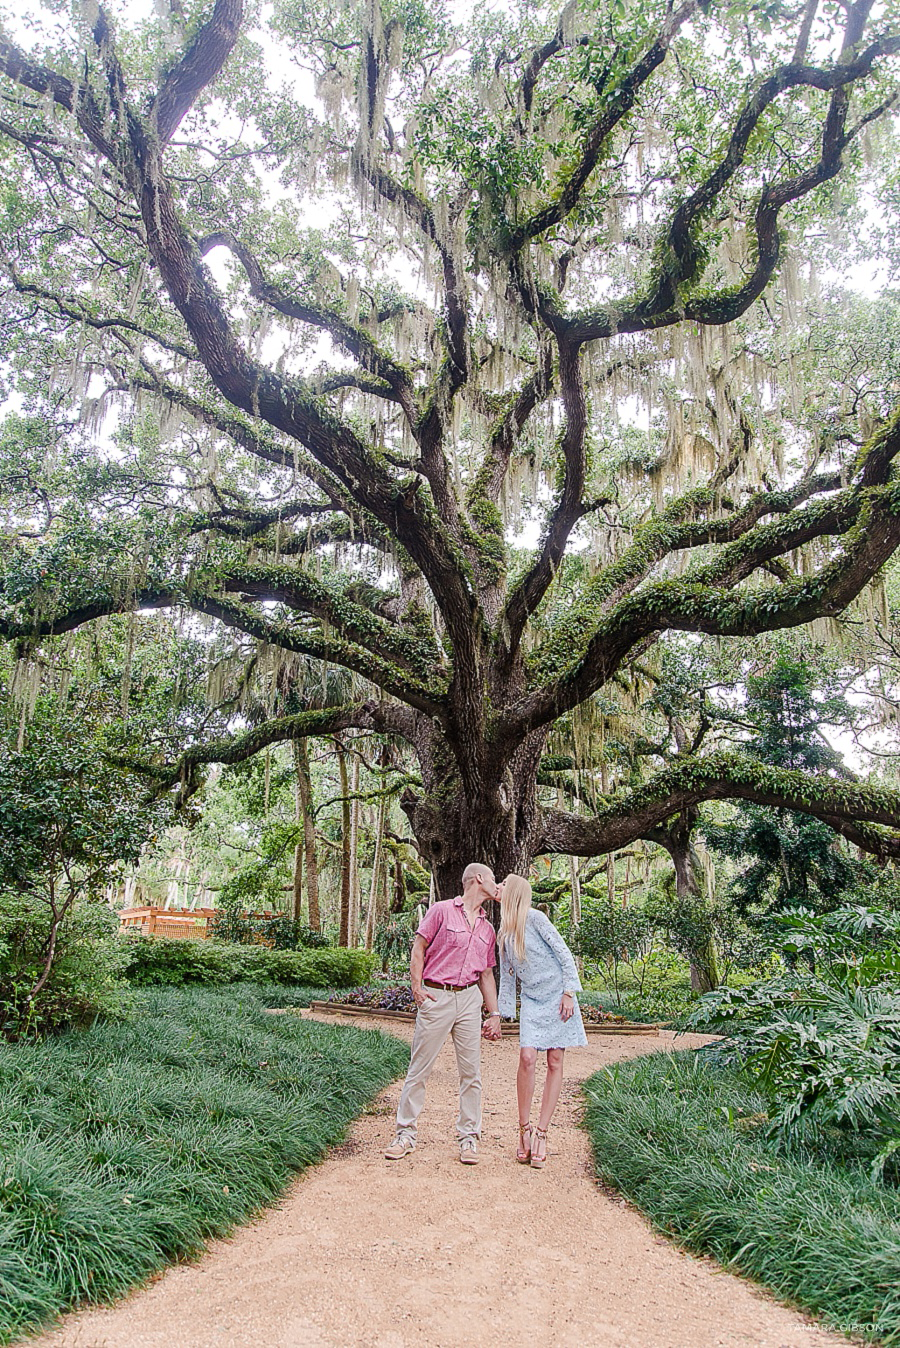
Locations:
(567, 1006)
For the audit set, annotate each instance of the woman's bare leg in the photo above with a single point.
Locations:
(550, 1097)
(525, 1082)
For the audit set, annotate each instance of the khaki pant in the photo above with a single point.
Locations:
(457, 1014)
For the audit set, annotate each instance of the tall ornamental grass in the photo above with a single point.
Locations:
(687, 1142)
(129, 1145)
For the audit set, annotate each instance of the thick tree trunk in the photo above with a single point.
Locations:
(496, 822)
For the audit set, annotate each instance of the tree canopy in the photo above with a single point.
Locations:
(310, 322)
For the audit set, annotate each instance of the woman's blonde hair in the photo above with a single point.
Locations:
(513, 913)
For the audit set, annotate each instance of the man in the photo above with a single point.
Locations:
(451, 971)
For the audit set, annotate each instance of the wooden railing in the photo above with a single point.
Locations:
(179, 924)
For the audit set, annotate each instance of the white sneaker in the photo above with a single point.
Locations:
(400, 1147)
(468, 1151)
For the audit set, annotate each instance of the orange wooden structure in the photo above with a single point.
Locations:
(180, 924)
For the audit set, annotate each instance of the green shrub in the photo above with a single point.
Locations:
(686, 1142)
(276, 930)
(394, 938)
(824, 1047)
(86, 975)
(130, 1144)
(69, 820)
(155, 960)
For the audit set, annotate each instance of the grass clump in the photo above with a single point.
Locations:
(687, 1142)
(128, 1145)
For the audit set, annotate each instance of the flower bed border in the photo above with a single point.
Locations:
(509, 1027)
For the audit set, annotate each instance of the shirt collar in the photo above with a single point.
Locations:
(458, 903)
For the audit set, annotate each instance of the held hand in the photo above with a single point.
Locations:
(422, 995)
(567, 1006)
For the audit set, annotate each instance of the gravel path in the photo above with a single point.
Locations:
(363, 1253)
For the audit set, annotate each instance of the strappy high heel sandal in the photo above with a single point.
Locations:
(537, 1162)
(523, 1151)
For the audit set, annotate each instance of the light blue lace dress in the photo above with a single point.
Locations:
(547, 971)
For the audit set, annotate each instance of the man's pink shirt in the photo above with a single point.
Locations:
(456, 953)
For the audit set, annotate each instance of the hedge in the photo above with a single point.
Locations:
(157, 960)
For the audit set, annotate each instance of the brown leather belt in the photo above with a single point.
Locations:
(449, 987)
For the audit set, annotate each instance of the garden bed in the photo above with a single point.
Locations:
(686, 1142)
(129, 1145)
(397, 1004)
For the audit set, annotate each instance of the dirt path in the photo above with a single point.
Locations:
(363, 1253)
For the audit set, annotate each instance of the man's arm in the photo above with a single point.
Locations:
(488, 986)
(416, 970)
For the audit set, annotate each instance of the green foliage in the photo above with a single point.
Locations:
(610, 933)
(686, 922)
(823, 1046)
(67, 816)
(129, 1145)
(276, 930)
(854, 947)
(86, 978)
(642, 953)
(394, 938)
(786, 858)
(261, 883)
(684, 1140)
(69, 820)
(154, 960)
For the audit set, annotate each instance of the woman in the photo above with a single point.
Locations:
(532, 950)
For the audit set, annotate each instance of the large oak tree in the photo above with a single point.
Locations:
(534, 269)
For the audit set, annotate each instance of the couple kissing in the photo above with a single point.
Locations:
(451, 970)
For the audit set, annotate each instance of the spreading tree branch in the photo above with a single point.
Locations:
(850, 809)
(353, 338)
(694, 607)
(198, 67)
(380, 717)
(618, 103)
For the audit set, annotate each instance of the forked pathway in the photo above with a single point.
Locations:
(365, 1253)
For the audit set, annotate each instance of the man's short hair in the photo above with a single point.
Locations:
(475, 871)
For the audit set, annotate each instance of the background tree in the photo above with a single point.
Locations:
(69, 822)
(597, 201)
(785, 858)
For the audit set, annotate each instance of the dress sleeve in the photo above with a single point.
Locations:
(506, 1000)
(561, 951)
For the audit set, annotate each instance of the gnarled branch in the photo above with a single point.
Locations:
(859, 813)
